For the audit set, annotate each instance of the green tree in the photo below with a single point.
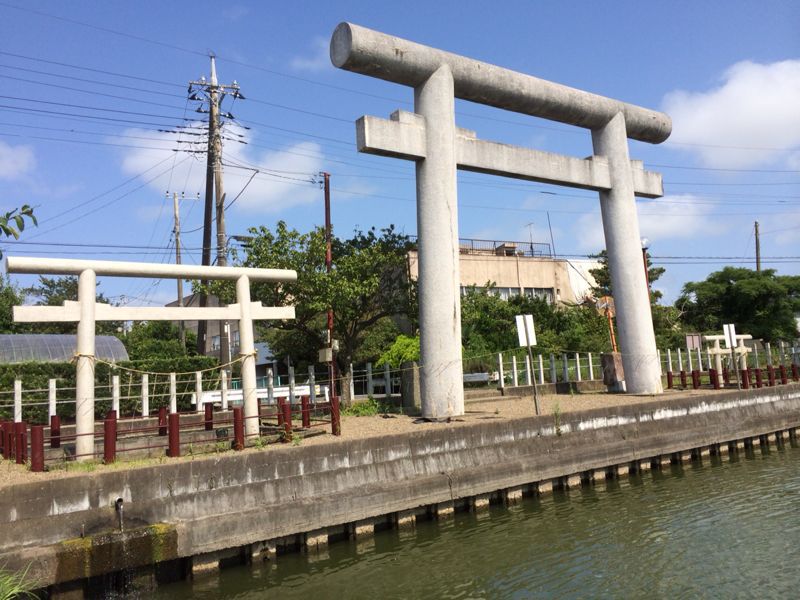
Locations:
(367, 285)
(762, 304)
(12, 223)
(158, 339)
(54, 291)
(602, 276)
(10, 296)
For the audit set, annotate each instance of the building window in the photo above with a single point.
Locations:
(235, 339)
(546, 294)
(215, 342)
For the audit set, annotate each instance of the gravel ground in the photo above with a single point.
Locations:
(371, 426)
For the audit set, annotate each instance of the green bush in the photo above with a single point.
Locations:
(35, 377)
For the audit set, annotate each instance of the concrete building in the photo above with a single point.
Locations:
(519, 268)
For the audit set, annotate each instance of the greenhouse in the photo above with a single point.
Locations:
(42, 347)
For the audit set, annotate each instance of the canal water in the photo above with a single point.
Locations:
(725, 529)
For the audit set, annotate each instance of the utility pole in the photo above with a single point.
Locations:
(213, 93)
(328, 265)
(176, 231)
(758, 250)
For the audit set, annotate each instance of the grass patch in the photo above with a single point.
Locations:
(15, 585)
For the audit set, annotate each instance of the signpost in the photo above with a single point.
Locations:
(527, 338)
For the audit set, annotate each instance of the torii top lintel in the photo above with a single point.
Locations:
(361, 50)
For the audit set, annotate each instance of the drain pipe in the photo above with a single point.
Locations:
(118, 505)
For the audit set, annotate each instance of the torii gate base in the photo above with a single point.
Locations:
(431, 139)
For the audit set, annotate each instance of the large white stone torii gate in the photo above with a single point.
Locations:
(86, 312)
(431, 139)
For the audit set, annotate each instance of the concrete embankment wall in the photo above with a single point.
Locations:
(192, 513)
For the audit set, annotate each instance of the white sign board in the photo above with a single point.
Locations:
(525, 331)
(730, 335)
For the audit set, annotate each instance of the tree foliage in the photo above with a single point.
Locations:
(158, 339)
(12, 223)
(10, 296)
(762, 304)
(602, 275)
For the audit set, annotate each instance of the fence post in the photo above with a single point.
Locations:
(370, 385)
(352, 383)
(238, 428)
(51, 398)
(287, 421)
(115, 393)
(17, 400)
(768, 352)
(37, 448)
(21, 435)
(305, 410)
(514, 380)
(145, 395)
(312, 384)
(565, 367)
(541, 370)
(55, 431)
(174, 449)
(173, 393)
(270, 387)
(336, 422)
(162, 421)
(578, 376)
(500, 373)
(110, 437)
(591, 367)
(198, 390)
(553, 376)
(291, 385)
(208, 416)
(223, 388)
(528, 376)
(387, 380)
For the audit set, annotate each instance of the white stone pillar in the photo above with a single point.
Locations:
(689, 360)
(500, 373)
(669, 360)
(145, 395)
(352, 383)
(198, 390)
(312, 384)
(553, 376)
(173, 393)
(223, 388)
(591, 367)
(270, 387)
(247, 351)
(768, 352)
(441, 375)
(51, 398)
(565, 367)
(370, 383)
(84, 377)
(514, 380)
(17, 401)
(680, 360)
(387, 380)
(623, 244)
(541, 370)
(115, 394)
(528, 377)
(578, 367)
(291, 386)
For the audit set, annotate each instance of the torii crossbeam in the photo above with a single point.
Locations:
(430, 137)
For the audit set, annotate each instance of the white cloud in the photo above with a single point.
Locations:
(284, 180)
(16, 161)
(667, 218)
(754, 109)
(319, 60)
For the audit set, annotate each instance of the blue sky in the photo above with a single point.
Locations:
(97, 171)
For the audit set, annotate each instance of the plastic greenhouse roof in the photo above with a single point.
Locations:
(45, 347)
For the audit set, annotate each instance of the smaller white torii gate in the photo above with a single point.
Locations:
(86, 312)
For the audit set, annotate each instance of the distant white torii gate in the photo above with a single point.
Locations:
(86, 312)
(431, 139)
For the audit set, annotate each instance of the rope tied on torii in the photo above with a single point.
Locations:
(87, 311)
(430, 138)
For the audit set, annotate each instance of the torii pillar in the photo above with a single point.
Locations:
(431, 139)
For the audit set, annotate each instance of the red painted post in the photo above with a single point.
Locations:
(336, 423)
(280, 402)
(714, 376)
(55, 431)
(759, 379)
(784, 378)
(795, 372)
(21, 433)
(162, 421)
(174, 449)
(110, 437)
(209, 416)
(683, 379)
(287, 421)
(238, 428)
(771, 375)
(305, 409)
(37, 448)
(745, 373)
(3, 439)
(726, 375)
(669, 380)
(695, 379)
